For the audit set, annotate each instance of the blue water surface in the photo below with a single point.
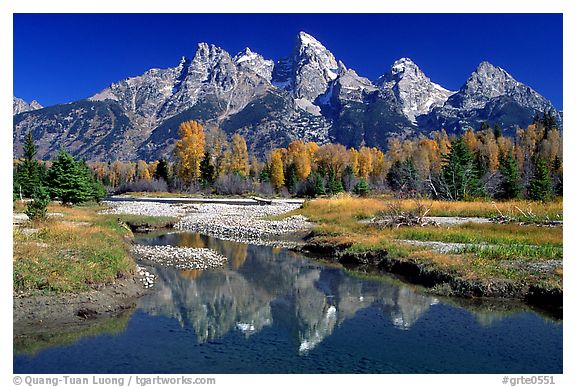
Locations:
(273, 311)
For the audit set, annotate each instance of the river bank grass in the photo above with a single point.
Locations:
(516, 252)
(73, 250)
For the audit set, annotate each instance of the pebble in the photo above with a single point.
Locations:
(147, 279)
(149, 208)
(178, 257)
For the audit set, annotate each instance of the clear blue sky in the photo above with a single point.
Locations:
(65, 57)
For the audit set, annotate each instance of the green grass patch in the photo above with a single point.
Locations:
(514, 252)
(497, 234)
(152, 221)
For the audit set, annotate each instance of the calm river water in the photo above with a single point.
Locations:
(273, 311)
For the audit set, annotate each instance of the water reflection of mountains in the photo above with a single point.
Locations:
(264, 284)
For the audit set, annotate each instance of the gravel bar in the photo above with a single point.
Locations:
(241, 223)
(180, 257)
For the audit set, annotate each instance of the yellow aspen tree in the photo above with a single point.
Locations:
(239, 156)
(433, 151)
(312, 149)
(443, 141)
(142, 170)
(189, 151)
(353, 157)
(407, 149)
(555, 144)
(334, 157)
(217, 144)
(364, 162)
(530, 140)
(505, 146)
(297, 154)
(379, 165)
(115, 173)
(128, 172)
(493, 156)
(422, 162)
(276, 169)
(99, 170)
(225, 163)
(255, 166)
(152, 166)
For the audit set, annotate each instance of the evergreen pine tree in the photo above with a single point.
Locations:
(334, 184)
(459, 177)
(319, 188)
(265, 174)
(403, 176)
(95, 188)
(361, 188)
(291, 178)
(162, 171)
(72, 182)
(509, 187)
(540, 184)
(497, 131)
(27, 174)
(207, 170)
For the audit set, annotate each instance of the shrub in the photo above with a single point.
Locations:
(361, 188)
(232, 185)
(36, 209)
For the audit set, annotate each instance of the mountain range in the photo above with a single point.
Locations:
(308, 95)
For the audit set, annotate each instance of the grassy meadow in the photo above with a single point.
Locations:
(492, 250)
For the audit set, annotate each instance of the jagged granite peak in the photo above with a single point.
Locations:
(490, 95)
(488, 82)
(21, 106)
(349, 86)
(248, 60)
(414, 91)
(306, 74)
(143, 96)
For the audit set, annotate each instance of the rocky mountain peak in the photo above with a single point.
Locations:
(21, 106)
(405, 66)
(415, 92)
(249, 60)
(307, 73)
(488, 82)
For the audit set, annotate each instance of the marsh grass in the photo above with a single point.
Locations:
(64, 255)
(340, 220)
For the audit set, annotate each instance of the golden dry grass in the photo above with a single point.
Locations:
(513, 208)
